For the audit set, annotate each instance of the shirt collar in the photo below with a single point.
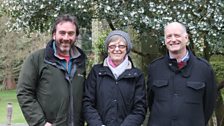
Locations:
(185, 58)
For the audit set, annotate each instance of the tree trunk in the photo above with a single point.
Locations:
(9, 82)
(207, 48)
(219, 110)
(206, 51)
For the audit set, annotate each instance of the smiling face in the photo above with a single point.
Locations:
(176, 38)
(65, 37)
(117, 49)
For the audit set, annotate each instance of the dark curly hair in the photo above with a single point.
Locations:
(66, 18)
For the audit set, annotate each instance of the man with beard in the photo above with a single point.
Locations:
(50, 86)
(181, 87)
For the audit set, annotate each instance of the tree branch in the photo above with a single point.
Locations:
(110, 24)
(140, 53)
(218, 53)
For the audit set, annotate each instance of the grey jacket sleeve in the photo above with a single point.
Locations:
(26, 94)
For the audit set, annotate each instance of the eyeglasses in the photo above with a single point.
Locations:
(115, 46)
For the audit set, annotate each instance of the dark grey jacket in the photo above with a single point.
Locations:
(183, 97)
(47, 93)
(112, 102)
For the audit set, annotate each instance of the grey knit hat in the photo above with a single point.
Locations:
(122, 34)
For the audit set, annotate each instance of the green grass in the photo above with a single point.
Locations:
(7, 96)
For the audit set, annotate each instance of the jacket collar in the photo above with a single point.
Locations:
(185, 71)
(76, 53)
(128, 73)
(128, 67)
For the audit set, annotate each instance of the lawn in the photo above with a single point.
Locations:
(6, 97)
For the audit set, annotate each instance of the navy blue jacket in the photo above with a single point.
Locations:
(183, 97)
(114, 102)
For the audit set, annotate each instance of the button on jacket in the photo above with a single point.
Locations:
(180, 97)
(47, 92)
(114, 102)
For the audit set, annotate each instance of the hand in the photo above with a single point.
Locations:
(48, 124)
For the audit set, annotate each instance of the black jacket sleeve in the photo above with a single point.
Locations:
(149, 91)
(137, 115)
(89, 101)
(210, 95)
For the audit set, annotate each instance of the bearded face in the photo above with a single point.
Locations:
(65, 37)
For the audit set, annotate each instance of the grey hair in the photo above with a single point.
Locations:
(176, 23)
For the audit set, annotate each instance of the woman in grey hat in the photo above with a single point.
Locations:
(115, 92)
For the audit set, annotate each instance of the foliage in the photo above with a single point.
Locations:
(204, 18)
(14, 47)
(5, 98)
(99, 47)
(217, 63)
(98, 52)
(38, 15)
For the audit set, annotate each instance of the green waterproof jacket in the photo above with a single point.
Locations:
(47, 92)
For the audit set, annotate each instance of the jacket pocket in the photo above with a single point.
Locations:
(160, 83)
(194, 92)
(160, 90)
